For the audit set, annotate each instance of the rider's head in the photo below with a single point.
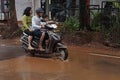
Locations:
(28, 11)
(39, 12)
(45, 17)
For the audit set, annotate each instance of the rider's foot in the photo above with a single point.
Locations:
(30, 48)
(41, 49)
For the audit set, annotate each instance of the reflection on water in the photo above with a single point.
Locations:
(9, 52)
(2, 45)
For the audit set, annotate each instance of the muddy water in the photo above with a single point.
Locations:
(16, 65)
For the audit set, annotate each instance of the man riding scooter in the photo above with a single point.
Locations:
(36, 26)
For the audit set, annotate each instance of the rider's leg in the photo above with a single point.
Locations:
(29, 43)
(30, 33)
(41, 41)
(47, 43)
(46, 40)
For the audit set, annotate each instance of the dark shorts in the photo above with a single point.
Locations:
(38, 33)
(27, 31)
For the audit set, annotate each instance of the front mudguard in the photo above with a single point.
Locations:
(61, 46)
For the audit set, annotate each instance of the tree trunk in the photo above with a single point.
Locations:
(84, 14)
(13, 24)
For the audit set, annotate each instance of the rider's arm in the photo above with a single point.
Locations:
(51, 22)
(24, 22)
(34, 24)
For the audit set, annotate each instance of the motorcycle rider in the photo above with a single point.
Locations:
(27, 22)
(44, 22)
(41, 32)
(38, 23)
(36, 27)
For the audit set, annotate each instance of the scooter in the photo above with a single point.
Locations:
(54, 47)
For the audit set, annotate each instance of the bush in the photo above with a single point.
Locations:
(96, 21)
(107, 24)
(72, 24)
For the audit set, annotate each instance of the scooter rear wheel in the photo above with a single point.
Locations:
(32, 53)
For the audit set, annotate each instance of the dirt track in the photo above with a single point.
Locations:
(88, 62)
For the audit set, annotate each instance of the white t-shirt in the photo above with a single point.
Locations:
(36, 22)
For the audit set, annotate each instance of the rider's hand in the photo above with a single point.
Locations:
(43, 26)
(57, 23)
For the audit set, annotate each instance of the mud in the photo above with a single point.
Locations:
(81, 65)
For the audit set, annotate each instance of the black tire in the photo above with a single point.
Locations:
(63, 54)
(32, 53)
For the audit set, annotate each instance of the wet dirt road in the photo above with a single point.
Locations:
(84, 63)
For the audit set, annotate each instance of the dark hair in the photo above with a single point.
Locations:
(45, 16)
(27, 11)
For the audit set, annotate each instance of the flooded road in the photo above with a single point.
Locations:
(84, 63)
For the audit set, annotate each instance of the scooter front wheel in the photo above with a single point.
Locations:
(63, 54)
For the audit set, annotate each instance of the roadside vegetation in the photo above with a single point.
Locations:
(105, 29)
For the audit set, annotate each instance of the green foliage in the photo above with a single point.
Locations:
(72, 23)
(116, 4)
(95, 24)
(108, 24)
